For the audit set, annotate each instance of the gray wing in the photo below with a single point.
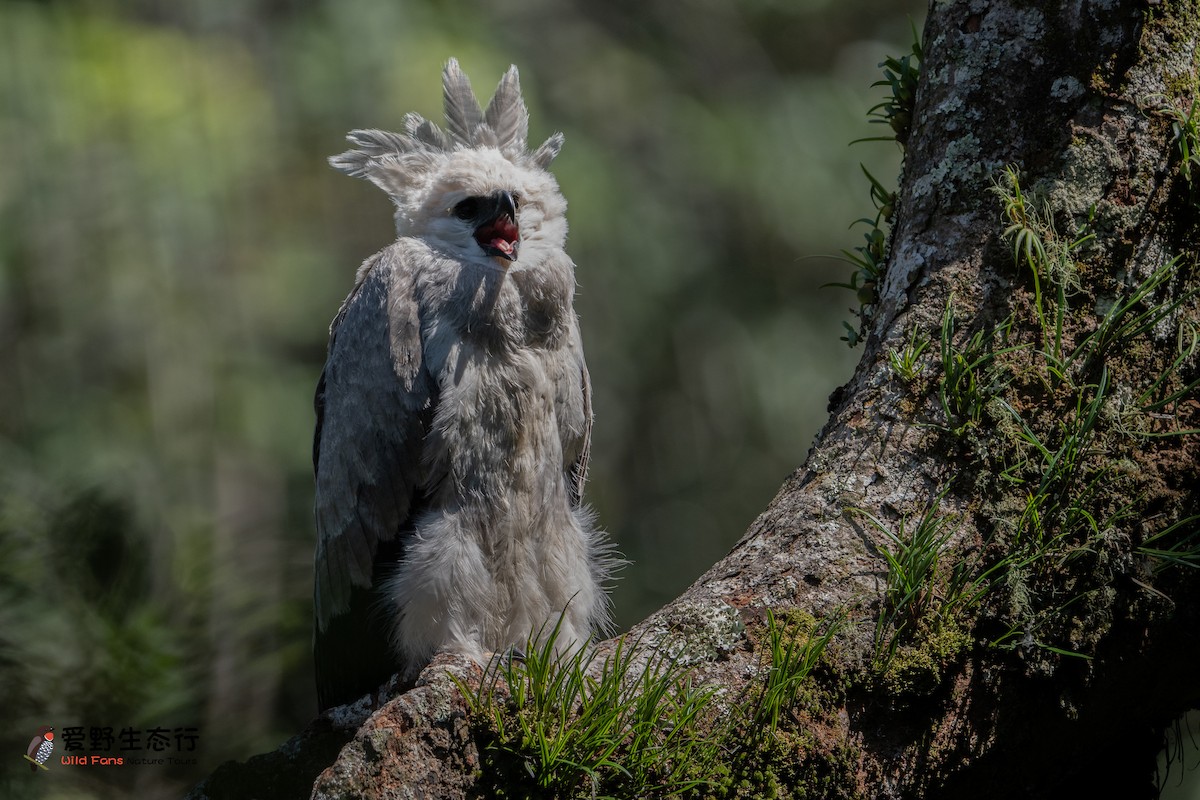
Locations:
(374, 403)
(577, 456)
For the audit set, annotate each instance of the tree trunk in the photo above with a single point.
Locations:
(1036, 453)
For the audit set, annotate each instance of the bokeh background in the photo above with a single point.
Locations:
(173, 247)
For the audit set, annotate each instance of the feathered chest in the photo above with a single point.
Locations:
(501, 312)
(511, 413)
(506, 426)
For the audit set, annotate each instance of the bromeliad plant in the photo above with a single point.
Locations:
(868, 258)
(906, 362)
(1050, 258)
(900, 75)
(971, 371)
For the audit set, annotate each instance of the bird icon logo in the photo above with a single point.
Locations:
(40, 748)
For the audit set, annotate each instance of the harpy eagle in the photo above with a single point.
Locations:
(454, 411)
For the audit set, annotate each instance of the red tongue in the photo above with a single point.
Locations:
(501, 234)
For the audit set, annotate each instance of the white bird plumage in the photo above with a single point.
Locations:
(454, 411)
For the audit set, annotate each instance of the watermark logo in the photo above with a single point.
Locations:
(40, 748)
(115, 747)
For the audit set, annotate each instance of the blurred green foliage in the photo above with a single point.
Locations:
(173, 246)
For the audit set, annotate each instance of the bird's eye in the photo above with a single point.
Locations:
(467, 209)
(516, 198)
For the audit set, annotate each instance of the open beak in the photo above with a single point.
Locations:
(498, 234)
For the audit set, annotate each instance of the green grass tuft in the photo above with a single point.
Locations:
(619, 728)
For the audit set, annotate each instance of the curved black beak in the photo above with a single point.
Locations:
(497, 232)
(505, 204)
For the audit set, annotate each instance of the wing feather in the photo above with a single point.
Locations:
(578, 465)
(374, 404)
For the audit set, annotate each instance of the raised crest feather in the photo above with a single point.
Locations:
(425, 131)
(549, 149)
(507, 116)
(402, 163)
(463, 114)
(371, 146)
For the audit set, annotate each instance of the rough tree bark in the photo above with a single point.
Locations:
(1081, 649)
